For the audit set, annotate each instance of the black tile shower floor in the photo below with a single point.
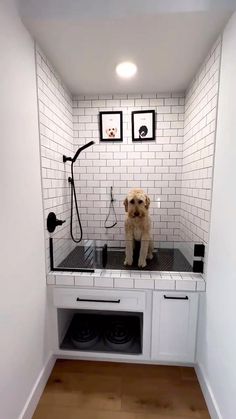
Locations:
(163, 260)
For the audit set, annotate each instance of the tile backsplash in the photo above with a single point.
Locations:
(153, 166)
(198, 149)
(56, 139)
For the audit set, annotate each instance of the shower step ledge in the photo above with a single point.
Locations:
(159, 280)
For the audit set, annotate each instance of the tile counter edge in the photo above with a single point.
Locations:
(158, 280)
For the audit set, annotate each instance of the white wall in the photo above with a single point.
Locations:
(23, 346)
(217, 329)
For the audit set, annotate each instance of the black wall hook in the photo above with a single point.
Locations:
(53, 222)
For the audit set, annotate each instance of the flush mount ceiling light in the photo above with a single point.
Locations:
(126, 70)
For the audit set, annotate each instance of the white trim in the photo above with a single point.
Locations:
(208, 393)
(37, 389)
(74, 356)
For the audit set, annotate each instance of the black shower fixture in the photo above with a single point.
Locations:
(73, 192)
(53, 222)
(65, 159)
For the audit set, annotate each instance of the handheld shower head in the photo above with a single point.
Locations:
(81, 149)
(65, 159)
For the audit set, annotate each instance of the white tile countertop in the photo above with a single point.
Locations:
(159, 280)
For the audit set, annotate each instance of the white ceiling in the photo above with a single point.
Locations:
(86, 39)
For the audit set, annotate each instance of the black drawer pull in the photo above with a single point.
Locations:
(98, 301)
(175, 298)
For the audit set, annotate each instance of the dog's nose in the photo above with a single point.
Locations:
(136, 214)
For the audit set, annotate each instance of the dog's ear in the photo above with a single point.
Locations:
(115, 130)
(126, 204)
(147, 202)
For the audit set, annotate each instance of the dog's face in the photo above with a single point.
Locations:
(137, 203)
(111, 132)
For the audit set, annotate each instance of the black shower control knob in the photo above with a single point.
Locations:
(53, 222)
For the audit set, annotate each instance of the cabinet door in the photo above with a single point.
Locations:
(174, 323)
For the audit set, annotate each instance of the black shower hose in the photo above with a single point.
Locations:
(73, 195)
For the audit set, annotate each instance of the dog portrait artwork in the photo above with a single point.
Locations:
(138, 227)
(143, 125)
(111, 126)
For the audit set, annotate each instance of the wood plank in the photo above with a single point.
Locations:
(84, 390)
(163, 396)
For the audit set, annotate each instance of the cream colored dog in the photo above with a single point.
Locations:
(138, 227)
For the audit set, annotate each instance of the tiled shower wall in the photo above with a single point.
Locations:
(175, 170)
(154, 166)
(198, 149)
(56, 139)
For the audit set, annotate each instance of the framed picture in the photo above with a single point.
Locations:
(111, 126)
(143, 125)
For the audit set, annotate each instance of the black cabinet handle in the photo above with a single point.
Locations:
(98, 301)
(175, 298)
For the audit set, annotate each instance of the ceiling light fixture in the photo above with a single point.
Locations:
(126, 69)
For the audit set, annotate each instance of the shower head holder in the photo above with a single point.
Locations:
(65, 159)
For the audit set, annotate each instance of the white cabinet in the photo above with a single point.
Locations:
(168, 327)
(174, 323)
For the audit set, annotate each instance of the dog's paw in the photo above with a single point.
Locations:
(142, 263)
(150, 256)
(128, 262)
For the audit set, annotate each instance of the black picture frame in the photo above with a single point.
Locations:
(116, 121)
(148, 126)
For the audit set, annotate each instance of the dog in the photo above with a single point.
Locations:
(111, 132)
(138, 227)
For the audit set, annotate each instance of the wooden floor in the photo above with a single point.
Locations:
(99, 390)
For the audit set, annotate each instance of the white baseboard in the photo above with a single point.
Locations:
(208, 393)
(38, 388)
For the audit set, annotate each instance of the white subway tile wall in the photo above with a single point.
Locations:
(198, 149)
(153, 166)
(175, 170)
(56, 139)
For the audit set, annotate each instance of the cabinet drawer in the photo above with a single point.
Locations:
(99, 299)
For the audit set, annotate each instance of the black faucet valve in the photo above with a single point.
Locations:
(53, 222)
